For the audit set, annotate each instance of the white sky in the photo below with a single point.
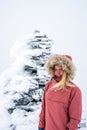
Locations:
(65, 21)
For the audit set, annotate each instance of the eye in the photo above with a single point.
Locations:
(58, 69)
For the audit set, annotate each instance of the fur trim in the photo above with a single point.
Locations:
(62, 60)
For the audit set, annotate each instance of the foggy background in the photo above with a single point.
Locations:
(64, 21)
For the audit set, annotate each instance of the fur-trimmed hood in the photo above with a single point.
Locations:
(65, 61)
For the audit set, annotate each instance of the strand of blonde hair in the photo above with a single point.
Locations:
(63, 83)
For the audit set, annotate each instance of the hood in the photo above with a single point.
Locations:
(65, 61)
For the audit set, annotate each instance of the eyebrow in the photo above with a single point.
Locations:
(58, 69)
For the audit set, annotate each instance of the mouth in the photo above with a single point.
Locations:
(58, 78)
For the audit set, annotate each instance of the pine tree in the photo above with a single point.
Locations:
(27, 76)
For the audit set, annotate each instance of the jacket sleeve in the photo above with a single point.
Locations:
(75, 109)
(42, 113)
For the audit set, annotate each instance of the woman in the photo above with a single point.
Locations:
(62, 100)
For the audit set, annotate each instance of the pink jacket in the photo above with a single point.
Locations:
(61, 109)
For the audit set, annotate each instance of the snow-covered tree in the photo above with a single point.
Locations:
(23, 82)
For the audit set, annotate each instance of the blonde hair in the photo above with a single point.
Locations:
(63, 83)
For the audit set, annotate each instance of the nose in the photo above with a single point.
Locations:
(58, 72)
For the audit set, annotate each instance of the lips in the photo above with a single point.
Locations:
(58, 78)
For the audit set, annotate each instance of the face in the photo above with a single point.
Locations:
(58, 71)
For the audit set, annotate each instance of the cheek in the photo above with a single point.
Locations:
(62, 73)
